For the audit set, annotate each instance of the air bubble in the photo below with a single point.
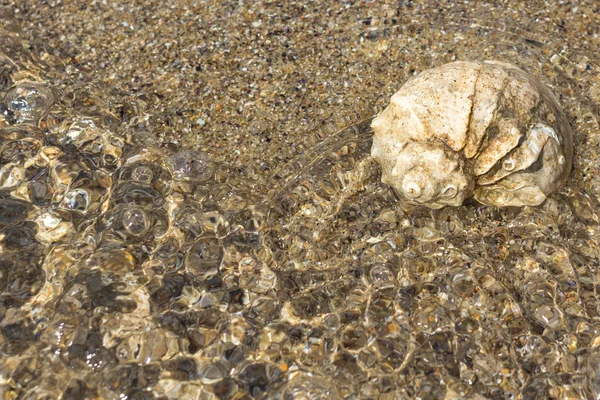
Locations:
(29, 101)
(135, 221)
(191, 166)
(142, 174)
(77, 200)
(306, 387)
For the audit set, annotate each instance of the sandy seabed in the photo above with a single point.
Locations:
(188, 210)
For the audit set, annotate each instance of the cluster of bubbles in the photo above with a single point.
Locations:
(129, 272)
(125, 272)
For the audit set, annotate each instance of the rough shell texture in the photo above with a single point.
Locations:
(486, 130)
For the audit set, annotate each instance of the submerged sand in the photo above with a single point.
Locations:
(310, 282)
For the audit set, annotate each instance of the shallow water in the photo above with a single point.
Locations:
(201, 219)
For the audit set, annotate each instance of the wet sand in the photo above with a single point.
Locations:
(328, 289)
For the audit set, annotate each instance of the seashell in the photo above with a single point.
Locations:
(486, 130)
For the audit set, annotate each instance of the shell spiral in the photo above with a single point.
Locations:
(487, 130)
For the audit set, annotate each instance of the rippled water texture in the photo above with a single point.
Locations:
(188, 209)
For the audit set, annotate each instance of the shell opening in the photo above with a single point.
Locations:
(411, 189)
(508, 165)
(450, 191)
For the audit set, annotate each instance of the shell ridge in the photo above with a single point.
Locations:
(497, 147)
(471, 111)
(518, 155)
(479, 141)
(523, 156)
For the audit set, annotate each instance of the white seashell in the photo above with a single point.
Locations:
(486, 130)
